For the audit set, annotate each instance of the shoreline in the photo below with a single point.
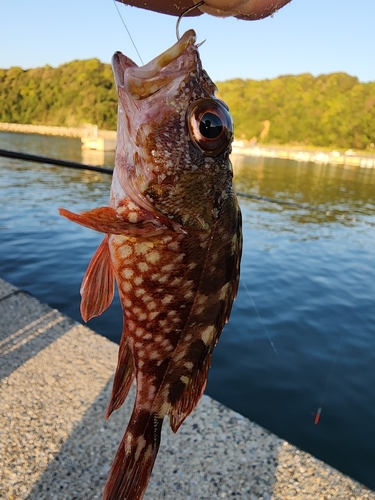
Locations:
(349, 158)
(86, 130)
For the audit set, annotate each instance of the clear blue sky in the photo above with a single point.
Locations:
(315, 36)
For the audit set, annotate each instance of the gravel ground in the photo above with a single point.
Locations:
(55, 379)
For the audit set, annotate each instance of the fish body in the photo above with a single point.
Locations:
(172, 243)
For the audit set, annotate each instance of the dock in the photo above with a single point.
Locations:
(56, 377)
(98, 140)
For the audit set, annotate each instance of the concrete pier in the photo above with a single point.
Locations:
(55, 381)
(78, 132)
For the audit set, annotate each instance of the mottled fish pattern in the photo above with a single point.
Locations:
(172, 243)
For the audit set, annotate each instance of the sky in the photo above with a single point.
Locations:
(306, 36)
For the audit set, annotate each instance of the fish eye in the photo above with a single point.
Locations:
(210, 126)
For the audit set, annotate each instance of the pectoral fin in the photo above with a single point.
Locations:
(98, 285)
(107, 220)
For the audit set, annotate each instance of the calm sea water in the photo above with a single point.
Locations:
(302, 331)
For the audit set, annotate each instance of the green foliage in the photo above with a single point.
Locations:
(70, 95)
(333, 110)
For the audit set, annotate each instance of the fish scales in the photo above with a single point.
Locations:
(172, 244)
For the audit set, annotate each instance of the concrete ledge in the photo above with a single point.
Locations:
(56, 378)
(77, 132)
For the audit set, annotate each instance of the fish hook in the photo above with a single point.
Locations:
(189, 9)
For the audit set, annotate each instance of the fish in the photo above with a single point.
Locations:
(172, 244)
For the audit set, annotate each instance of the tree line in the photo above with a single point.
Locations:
(332, 110)
(68, 96)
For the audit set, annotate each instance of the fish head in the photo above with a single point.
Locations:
(174, 137)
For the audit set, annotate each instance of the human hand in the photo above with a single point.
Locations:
(242, 9)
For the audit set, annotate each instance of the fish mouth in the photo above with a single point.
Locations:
(141, 82)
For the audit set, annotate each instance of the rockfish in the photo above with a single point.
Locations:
(172, 243)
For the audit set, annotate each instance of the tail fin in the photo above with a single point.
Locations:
(135, 458)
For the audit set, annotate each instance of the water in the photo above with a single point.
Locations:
(302, 331)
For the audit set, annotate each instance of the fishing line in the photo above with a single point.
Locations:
(262, 323)
(128, 32)
(333, 364)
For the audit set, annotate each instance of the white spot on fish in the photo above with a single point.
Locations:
(202, 299)
(208, 334)
(139, 332)
(164, 278)
(141, 443)
(127, 273)
(174, 245)
(167, 268)
(125, 251)
(143, 267)
(151, 306)
(179, 258)
(147, 298)
(126, 286)
(167, 299)
(224, 291)
(143, 247)
(176, 281)
(164, 409)
(153, 257)
(132, 217)
(179, 356)
(132, 206)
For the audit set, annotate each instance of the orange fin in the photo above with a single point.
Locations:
(135, 458)
(107, 220)
(98, 284)
(123, 378)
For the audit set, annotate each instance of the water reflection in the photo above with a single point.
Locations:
(95, 157)
(64, 148)
(345, 189)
